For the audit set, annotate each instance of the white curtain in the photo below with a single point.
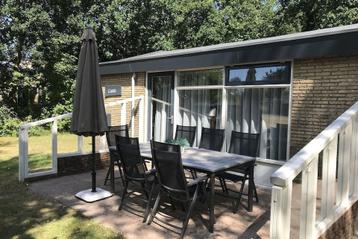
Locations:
(200, 108)
(263, 111)
(162, 108)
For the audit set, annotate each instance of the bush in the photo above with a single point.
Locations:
(59, 109)
(9, 123)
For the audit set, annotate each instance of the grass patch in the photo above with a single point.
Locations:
(27, 215)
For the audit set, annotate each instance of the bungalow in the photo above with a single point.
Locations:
(286, 88)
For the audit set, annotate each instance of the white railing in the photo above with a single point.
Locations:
(338, 145)
(24, 172)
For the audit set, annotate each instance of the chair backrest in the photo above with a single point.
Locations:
(121, 130)
(212, 139)
(168, 162)
(133, 163)
(187, 132)
(244, 143)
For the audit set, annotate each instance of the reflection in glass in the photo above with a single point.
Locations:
(274, 74)
(162, 94)
(263, 111)
(202, 77)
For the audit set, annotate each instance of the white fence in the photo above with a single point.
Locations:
(338, 146)
(24, 172)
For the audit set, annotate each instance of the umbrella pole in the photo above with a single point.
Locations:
(93, 163)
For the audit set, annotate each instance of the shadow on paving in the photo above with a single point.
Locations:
(168, 222)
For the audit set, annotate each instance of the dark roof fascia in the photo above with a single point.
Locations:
(343, 44)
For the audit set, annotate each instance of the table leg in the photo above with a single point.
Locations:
(112, 174)
(211, 203)
(251, 189)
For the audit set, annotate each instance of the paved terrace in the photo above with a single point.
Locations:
(243, 224)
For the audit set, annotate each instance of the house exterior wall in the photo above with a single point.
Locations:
(114, 112)
(322, 89)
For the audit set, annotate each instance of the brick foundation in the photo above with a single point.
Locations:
(345, 227)
(80, 163)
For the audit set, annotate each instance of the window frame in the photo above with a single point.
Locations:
(258, 83)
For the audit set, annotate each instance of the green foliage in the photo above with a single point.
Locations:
(40, 40)
(9, 124)
(64, 124)
(183, 142)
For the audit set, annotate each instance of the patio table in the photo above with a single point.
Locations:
(211, 163)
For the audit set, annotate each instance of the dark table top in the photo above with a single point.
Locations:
(203, 159)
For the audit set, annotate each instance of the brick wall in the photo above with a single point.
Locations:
(125, 81)
(345, 227)
(322, 90)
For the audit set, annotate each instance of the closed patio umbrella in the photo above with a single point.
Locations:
(89, 115)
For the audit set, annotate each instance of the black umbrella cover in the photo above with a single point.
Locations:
(89, 115)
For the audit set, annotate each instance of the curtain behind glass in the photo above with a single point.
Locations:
(162, 108)
(263, 111)
(200, 108)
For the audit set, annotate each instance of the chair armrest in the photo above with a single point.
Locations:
(197, 180)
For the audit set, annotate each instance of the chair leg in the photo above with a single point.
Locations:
(255, 192)
(172, 203)
(148, 203)
(123, 194)
(107, 175)
(120, 172)
(223, 185)
(193, 174)
(145, 191)
(240, 194)
(154, 210)
(185, 223)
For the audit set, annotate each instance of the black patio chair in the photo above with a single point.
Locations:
(212, 139)
(187, 132)
(135, 170)
(243, 144)
(172, 181)
(121, 130)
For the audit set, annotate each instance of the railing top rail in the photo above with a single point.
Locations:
(45, 121)
(119, 102)
(304, 157)
(68, 115)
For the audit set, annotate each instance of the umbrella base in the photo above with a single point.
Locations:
(89, 196)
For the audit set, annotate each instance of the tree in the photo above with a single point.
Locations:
(306, 15)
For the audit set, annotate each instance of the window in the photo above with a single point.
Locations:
(259, 74)
(263, 111)
(200, 78)
(200, 106)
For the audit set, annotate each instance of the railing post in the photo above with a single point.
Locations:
(354, 157)
(141, 119)
(80, 144)
(329, 165)
(281, 211)
(23, 153)
(132, 104)
(343, 165)
(124, 113)
(308, 200)
(54, 145)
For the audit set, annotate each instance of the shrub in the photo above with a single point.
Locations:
(59, 109)
(9, 123)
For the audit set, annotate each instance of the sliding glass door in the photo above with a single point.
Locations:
(161, 102)
(249, 99)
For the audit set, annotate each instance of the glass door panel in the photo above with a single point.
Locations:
(162, 96)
